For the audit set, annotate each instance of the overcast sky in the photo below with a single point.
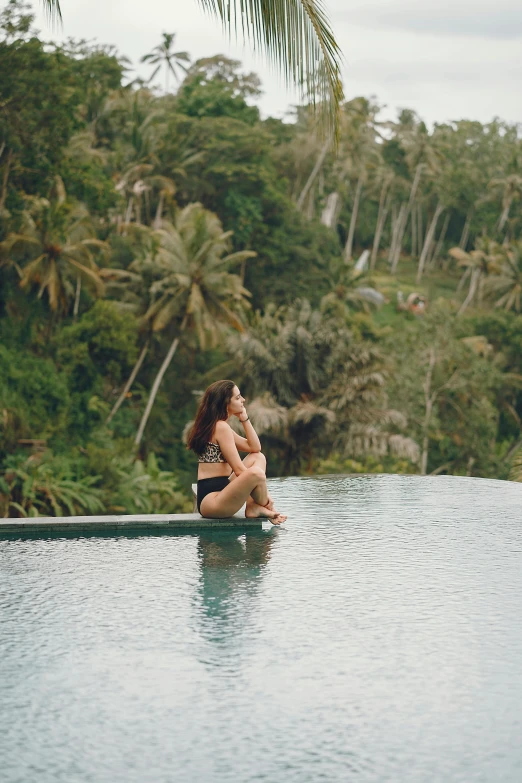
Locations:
(448, 60)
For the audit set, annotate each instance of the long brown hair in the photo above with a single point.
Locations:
(212, 408)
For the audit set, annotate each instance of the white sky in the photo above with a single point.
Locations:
(448, 60)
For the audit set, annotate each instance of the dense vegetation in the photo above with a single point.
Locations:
(153, 242)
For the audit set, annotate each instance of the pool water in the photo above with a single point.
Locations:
(377, 636)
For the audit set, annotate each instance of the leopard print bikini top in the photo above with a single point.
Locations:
(212, 453)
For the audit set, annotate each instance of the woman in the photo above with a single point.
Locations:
(221, 492)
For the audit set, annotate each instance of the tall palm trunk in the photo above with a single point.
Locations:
(474, 282)
(404, 221)
(130, 381)
(419, 226)
(128, 213)
(331, 210)
(505, 214)
(310, 204)
(315, 171)
(414, 247)
(393, 232)
(384, 208)
(395, 250)
(428, 241)
(5, 178)
(159, 212)
(465, 232)
(442, 236)
(353, 220)
(77, 297)
(463, 279)
(157, 382)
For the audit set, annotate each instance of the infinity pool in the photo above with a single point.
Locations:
(376, 637)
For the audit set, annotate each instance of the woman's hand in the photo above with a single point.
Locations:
(242, 414)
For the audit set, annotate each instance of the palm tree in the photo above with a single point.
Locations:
(360, 155)
(163, 55)
(383, 178)
(508, 283)
(295, 34)
(136, 184)
(60, 243)
(422, 155)
(195, 286)
(485, 259)
(314, 387)
(347, 292)
(510, 187)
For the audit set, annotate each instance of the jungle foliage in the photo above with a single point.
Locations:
(154, 240)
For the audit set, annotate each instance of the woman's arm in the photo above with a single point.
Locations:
(225, 438)
(251, 443)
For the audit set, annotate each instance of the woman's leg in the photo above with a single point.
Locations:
(227, 502)
(256, 458)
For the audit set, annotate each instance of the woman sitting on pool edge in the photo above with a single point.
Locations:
(221, 493)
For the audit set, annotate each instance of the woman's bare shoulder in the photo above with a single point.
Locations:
(222, 427)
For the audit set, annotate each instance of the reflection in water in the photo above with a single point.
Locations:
(232, 569)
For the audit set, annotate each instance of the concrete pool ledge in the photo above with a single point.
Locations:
(124, 522)
(120, 522)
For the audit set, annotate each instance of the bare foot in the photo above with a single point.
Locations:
(253, 511)
(269, 505)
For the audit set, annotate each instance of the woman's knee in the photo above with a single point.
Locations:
(257, 472)
(260, 459)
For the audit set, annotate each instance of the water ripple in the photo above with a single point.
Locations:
(375, 637)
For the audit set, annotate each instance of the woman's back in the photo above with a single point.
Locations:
(211, 461)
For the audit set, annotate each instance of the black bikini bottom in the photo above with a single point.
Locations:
(206, 486)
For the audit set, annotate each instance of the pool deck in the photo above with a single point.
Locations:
(123, 522)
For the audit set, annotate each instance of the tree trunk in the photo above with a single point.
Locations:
(5, 179)
(429, 400)
(427, 242)
(463, 279)
(331, 210)
(381, 222)
(394, 222)
(393, 232)
(396, 244)
(315, 171)
(475, 277)
(157, 382)
(414, 247)
(404, 222)
(117, 405)
(440, 240)
(159, 213)
(128, 213)
(310, 204)
(77, 297)
(504, 216)
(419, 226)
(353, 220)
(465, 232)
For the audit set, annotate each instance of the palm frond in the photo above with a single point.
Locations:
(267, 414)
(297, 37)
